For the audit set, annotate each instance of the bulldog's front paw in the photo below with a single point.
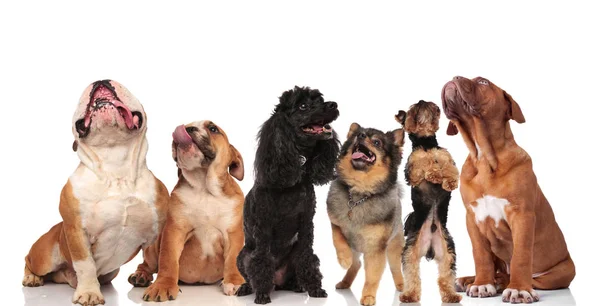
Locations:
(481, 291)
(367, 300)
(88, 296)
(161, 292)
(230, 289)
(32, 280)
(140, 279)
(518, 296)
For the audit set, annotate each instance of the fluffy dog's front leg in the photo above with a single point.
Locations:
(305, 262)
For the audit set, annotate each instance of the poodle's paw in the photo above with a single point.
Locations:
(317, 293)
(410, 297)
(88, 296)
(262, 298)
(451, 298)
(140, 279)
(449, 185)
(32, 280)
(481, 291)
(367, 300)
(161, 292)
(434, 176)
(462, 283)
(342, 285)
(230, 289)
(245, 289)
(518, 296)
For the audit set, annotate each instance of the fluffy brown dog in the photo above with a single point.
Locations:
(432, 175)
(364, 207)
(112, 205)
(203, 233)
(510, 222)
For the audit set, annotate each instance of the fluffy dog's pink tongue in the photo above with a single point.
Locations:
(358, 155)
(181, 136)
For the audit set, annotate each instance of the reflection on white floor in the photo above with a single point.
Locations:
(121, 294)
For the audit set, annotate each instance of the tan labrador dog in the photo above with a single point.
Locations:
(112, 205)
(203, 234)
(517, 244)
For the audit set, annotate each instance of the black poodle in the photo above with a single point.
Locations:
(297, 148)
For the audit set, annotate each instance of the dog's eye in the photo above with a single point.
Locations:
(376, 143)
(483, 82)
(213, 129)
(303, 106)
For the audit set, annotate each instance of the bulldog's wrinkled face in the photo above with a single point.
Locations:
(199, 144)
(464, 99)
(107, 114)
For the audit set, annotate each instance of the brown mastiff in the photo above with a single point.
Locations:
(517, 244)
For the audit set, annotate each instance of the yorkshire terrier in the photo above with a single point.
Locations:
(432, 175)
(364, 207)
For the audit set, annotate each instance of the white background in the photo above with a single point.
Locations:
(229, 62)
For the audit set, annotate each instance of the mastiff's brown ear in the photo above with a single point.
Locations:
(452, 129)
(514, 110)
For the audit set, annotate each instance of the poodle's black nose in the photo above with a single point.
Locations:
(331, 105)
(362, 136)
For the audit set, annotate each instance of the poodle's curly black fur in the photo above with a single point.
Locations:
(296, 150)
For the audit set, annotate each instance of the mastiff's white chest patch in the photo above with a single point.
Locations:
(490, 206)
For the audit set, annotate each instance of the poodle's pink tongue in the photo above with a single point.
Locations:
(359, 155)
(317, 128)
(181, 136)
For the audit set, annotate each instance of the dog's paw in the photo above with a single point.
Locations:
(451, 298)
(342, 285)
(518, 296)
(32, 280)
(88, 296)
(230, 289)
(400, 287)
(140, 279)
(161, 292)
(367, 300)
(481, 291)
(410, 297)
(317, 293)
(245, 289)
(450, 185)
(462, 283)
(434, 176)
(262, 298)
(345, 259)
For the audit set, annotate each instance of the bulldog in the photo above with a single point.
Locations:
(517, 244)
(203, 234)
(111, 206)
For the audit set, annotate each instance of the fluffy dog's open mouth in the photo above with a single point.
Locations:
(317, 129)
(362, 154)
(104, 97)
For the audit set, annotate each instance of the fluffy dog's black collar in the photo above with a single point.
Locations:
(426, 143)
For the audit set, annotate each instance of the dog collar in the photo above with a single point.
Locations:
(427, 142)
(352, 204)
(302, 160)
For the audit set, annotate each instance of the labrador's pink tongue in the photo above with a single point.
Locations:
(358, 155)
(181, 136)
(125, 113)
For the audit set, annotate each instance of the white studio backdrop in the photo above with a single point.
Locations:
(230, 61)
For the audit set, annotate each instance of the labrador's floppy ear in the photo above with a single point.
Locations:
(514, 110)
(236, 167)
(452, 129)
(401, 117)
(353, 128)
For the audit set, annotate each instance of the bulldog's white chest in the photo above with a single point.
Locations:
(210, 215)
(119, 217)
(490, 207)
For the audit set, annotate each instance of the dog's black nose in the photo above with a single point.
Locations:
(362, 136)
(331, 105)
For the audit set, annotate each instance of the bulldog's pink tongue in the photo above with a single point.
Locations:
(125, 113)
(358, 155)
(181, 136)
